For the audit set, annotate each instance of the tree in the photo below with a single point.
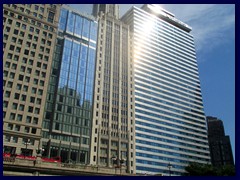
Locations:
(197, 169)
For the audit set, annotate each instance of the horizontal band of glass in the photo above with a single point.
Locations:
(150, 49)
(177, 154)
(144, 98)
(156, 170)
(167, 77)
(160, 95)
(166, 86)
(159, 40)
(161, 164)
(137, 116)
(159, 23)
(163, 140)
(155, 110)
(159, 63)
(172, 147)
(177, 135)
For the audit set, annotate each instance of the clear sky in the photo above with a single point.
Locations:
(213, 28)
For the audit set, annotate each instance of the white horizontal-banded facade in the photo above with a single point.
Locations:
(169, 115)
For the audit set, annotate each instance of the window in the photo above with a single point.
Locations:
(26, 52)
(41, 9)
(24, 27)
(21, 34)
(10, 127)
(7, 94)
(14, 66)
(15, 32)
(23, 97)
(40, 92)
(25, 88)
(28, 119)
(37, 110)
(20, 77)
(34, 90)
(34, 130)
(19, 117)
(12, 116)
(50, 16)
(9, 56)
(22, 69)
(15, 139)
(14, 106)
(5, 73)
(12, 47)
(31, 29)
(9, 21)
(41, 83)
(16, 96)
(7, 64)
(5, 37)
(30, 109)
(36, 8)
(17, 128)
(27, 79)
(35, 81)
(7, 138)
(5, 104)
(26, 130)
(21, 107)
(12, 75)
(37, 31)
(35, 120)
(20, 41)
(30, 62)
(32, 99)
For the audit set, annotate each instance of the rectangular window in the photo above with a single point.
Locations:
(19, 117)
(50, 16)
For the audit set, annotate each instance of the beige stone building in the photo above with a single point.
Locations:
(113, 133)
(29, 34)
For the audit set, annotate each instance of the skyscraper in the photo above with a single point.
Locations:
(29, 34)
(219, 143)
(169, 117)
(68, 112)
(113, 117)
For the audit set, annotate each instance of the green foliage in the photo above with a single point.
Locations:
(197, 169)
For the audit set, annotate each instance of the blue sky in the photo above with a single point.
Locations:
(213, 28)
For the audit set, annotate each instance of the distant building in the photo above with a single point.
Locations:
(219, 143)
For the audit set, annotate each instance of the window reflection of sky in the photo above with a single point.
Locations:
(78, 59)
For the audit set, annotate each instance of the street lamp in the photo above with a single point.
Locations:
(114, 159)
(39, 151)
(122, 161)
(169, 167)
(26, 144)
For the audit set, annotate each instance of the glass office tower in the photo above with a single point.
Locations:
(68, 113)
(170, 121)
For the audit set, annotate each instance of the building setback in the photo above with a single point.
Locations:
(169, 117)
(68, 112)
(29, 34)
(219, 143)
(113, 132)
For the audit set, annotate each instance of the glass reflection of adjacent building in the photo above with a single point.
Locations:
(68, 114)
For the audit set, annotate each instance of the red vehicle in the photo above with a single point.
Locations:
(44, 159)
